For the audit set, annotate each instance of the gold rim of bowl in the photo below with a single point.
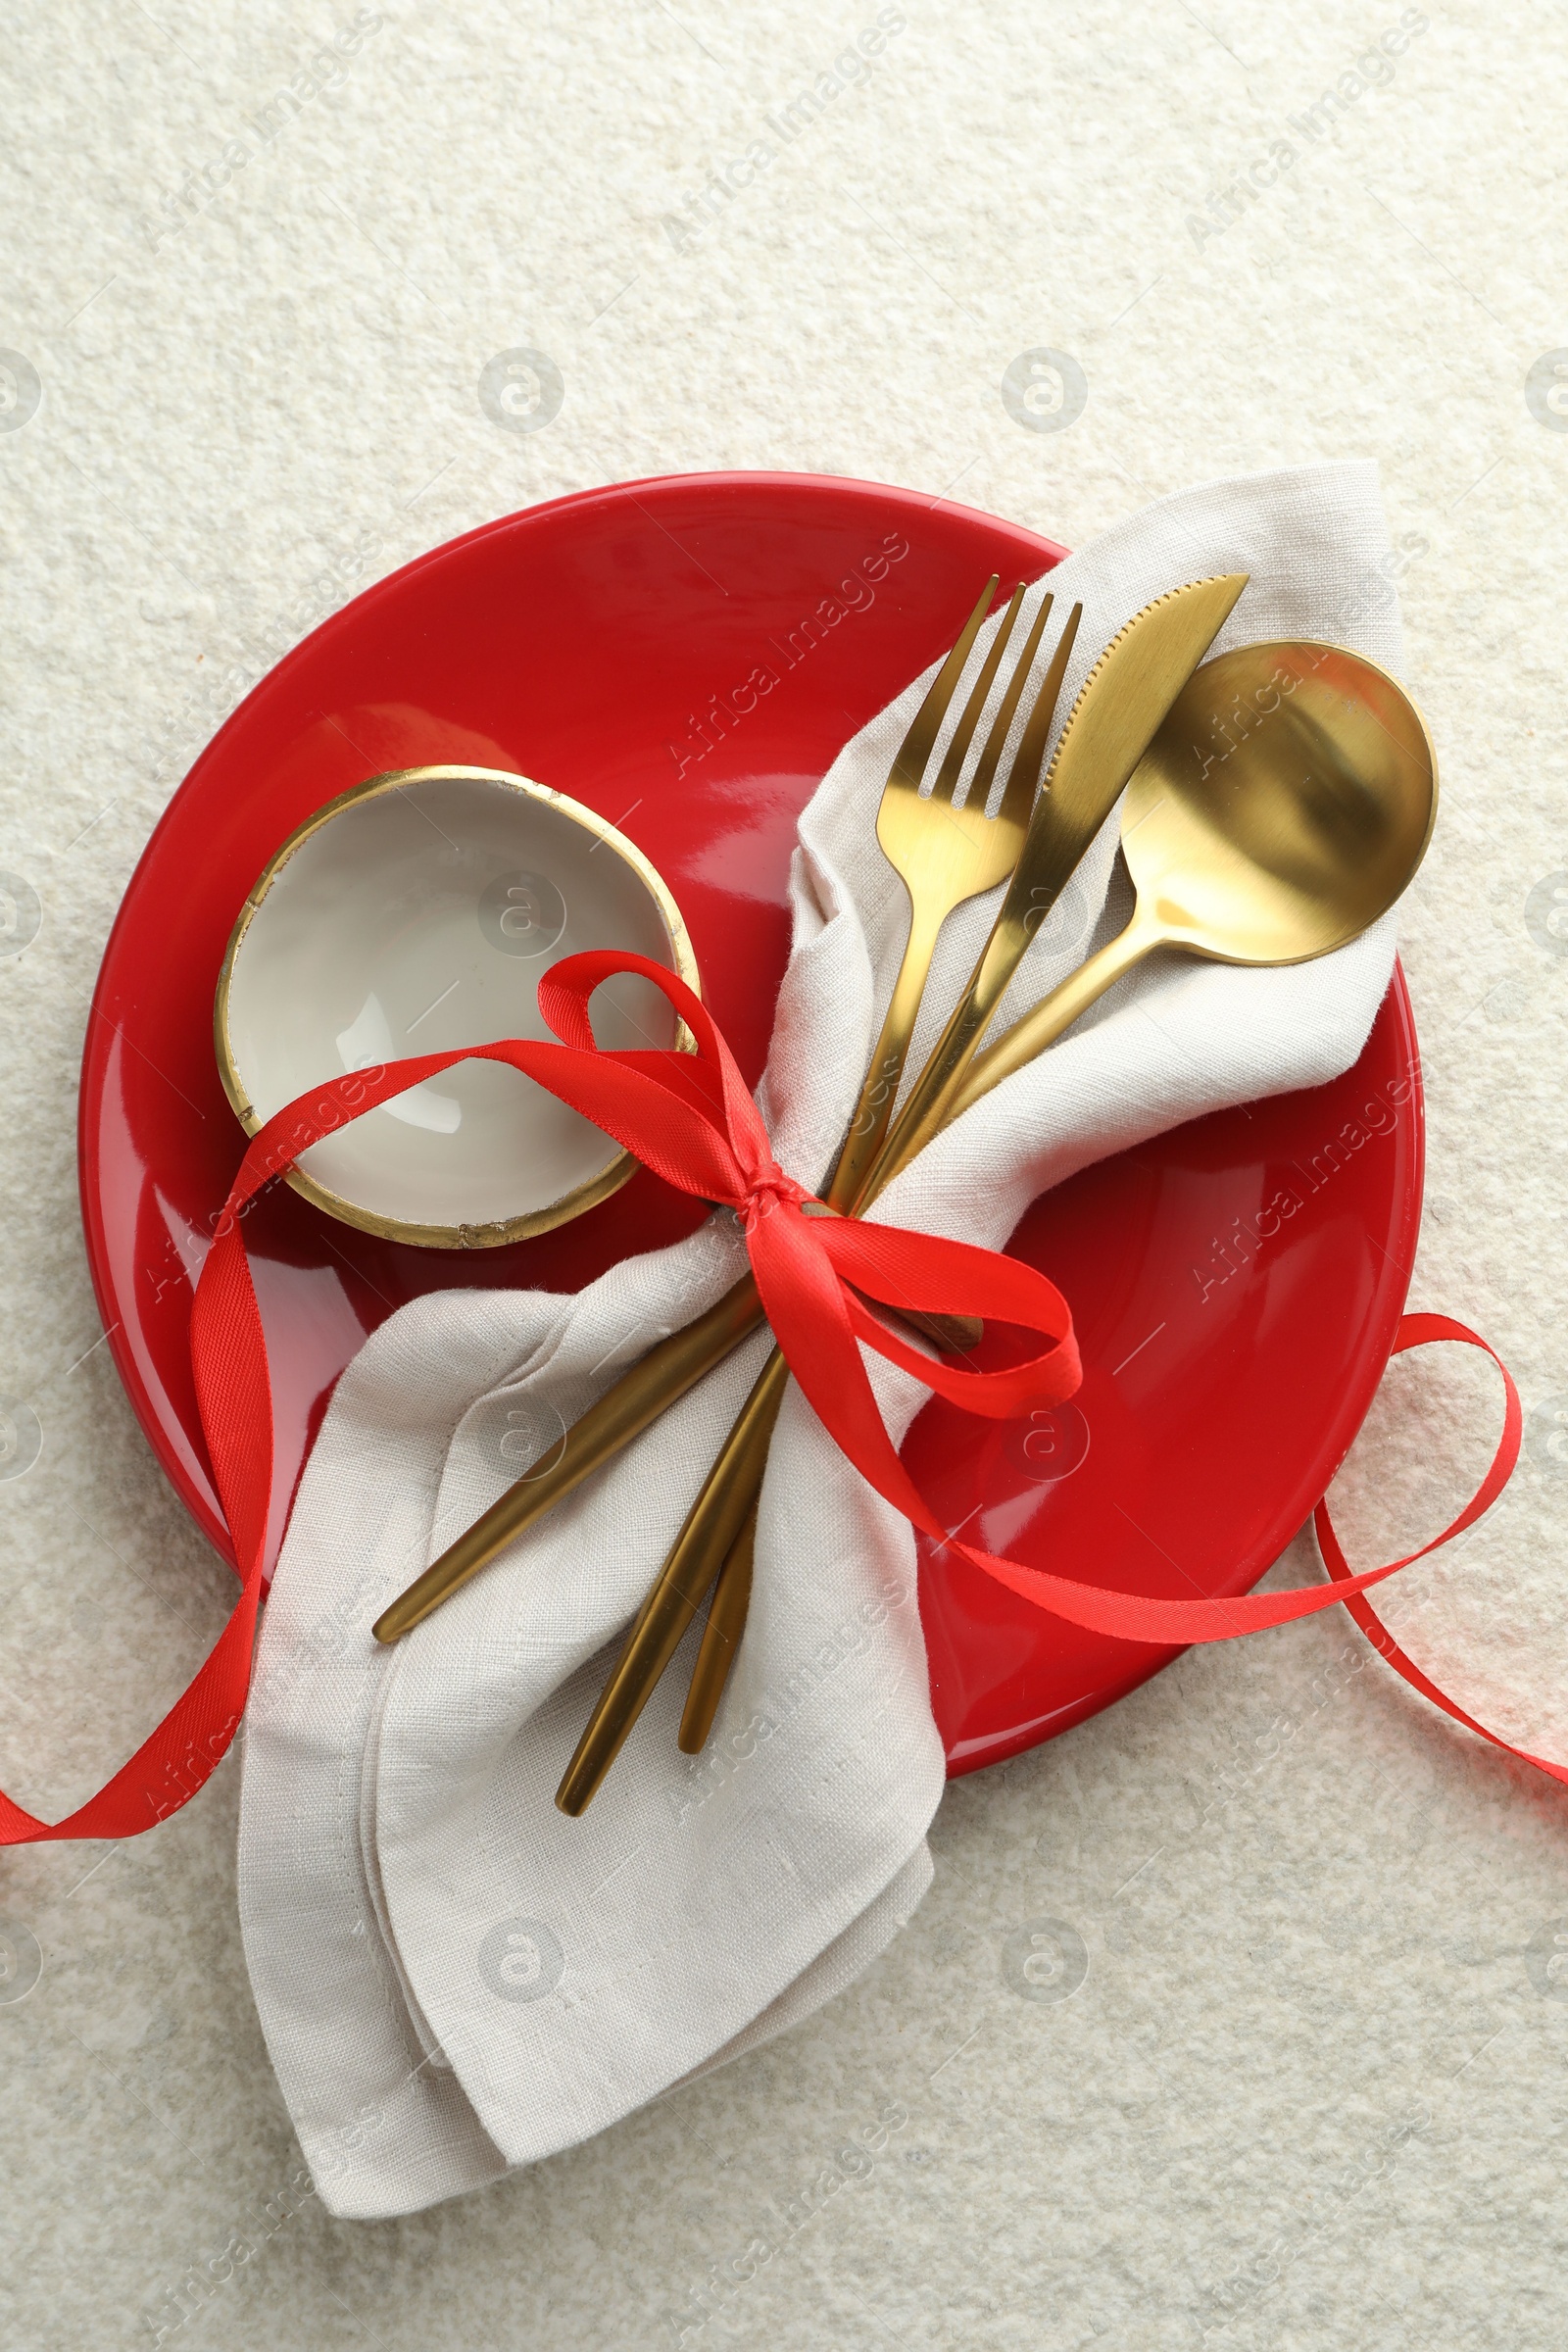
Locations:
(618, 1171)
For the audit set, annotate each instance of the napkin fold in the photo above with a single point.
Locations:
(455, 1979)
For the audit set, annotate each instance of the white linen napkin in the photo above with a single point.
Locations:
(454, 1977)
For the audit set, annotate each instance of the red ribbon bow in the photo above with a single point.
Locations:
(690, 1118)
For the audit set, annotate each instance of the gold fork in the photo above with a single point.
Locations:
(942, 855)
(913, 833)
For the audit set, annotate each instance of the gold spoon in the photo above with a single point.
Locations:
(1284, 805)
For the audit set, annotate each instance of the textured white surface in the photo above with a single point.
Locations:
(1308, 2092)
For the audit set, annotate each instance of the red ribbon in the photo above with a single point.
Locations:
(690, 1118)
(1418, 1330)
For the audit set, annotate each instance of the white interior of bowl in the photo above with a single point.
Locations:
(421, 918)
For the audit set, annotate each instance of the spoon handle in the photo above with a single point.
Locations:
(1058, 1012)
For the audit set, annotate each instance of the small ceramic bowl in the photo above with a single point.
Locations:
(418, 912)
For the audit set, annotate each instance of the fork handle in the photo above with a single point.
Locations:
(873, 1113)
(938, 1093)
(712, 1526)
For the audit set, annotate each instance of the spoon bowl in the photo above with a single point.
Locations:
(1283, 805)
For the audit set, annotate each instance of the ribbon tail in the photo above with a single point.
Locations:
(1421, 1331)
(1131, 1617)
(234, 1395)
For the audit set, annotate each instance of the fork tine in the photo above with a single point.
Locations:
(962, 734)
(1018, 799)
(980, 783)
(915, 749)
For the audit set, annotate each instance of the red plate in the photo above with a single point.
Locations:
(612, 645)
